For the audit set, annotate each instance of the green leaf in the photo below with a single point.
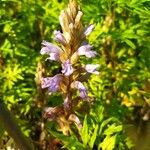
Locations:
(129, 142)
(93, 138)
(70, 142)
(97, 113)
(130, 43)
(113, 129)
(104, 123)
(121, 53)
(84, 132)
(108, 143)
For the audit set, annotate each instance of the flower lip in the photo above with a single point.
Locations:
(88, 30)
(46, 82)
(52, 50)
(86, 50)
(52, 83)
(49, 48)
(53, 56)
(82, 90)
(67, 68)
(91, 68)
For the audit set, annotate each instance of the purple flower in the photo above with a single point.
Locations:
(59, 37)
(53, 56)
(86, 50)
(49, 48)
(82, 90)
(52, 83)
(52, 50)
(67, 68)
(92, 68)
(88, 29)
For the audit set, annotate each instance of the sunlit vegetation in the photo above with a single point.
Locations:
(116, 113)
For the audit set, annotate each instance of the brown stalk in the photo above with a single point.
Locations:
(9, 123)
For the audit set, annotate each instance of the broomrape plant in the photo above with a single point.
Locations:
(73, 44)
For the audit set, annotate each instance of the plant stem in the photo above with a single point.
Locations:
(9, 122)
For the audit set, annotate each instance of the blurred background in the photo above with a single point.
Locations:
(121, 93)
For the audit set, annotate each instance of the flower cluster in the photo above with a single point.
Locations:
(73, 44)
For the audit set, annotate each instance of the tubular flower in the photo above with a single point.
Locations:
(86, 50)
(53, 56)
(67, 68)
(58, 36)
(50, 49)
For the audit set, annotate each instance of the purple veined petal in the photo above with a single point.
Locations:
(52, 83)
(82, 90)
(45, 50)
(90, 54)
(88, 30)
(92, 68)
(59, 37)
(82, 49)
(86, 50)
(55, 83)
(46, 82)
(53, 56)
(49, 48)
(67, 68)
(83, 93)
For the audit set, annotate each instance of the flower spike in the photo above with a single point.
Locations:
(73, 44)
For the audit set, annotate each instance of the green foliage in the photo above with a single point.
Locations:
(71, 143)
(121, 39)
(97, 131)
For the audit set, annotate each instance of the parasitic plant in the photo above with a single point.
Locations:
(72, 44)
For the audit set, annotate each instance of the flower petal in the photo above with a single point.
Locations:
(59, 37)
(90, 54)
(92, 68)
(86, 50)
(88, 29)
(52, 83)
(49, 48)
(82, 90)
(46, 82)
(53, 56)
(67, 68)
